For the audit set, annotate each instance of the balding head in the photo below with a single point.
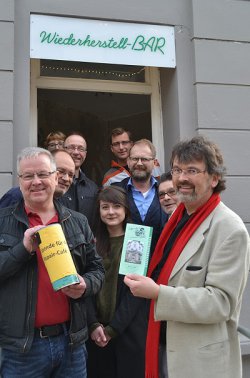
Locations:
(65, 167)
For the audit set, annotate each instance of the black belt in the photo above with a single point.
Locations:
(51, 330)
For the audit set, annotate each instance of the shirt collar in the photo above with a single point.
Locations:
(28, 210)
(80, 178)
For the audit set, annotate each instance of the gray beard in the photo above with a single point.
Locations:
(186, 197)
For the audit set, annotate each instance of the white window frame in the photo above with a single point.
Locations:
(150, 87)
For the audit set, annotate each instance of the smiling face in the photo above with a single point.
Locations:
(167, 200)
(76, 146)
(141, 171)
(37, 192)
(66, 169)
(120, 147)
(113, 215)
(193, 190)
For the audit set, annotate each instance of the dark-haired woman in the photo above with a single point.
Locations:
(117, 320)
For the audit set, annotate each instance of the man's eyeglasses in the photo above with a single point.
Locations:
(31, 176)
(170, 193)
(188, 172)
(73, 147)
(64, 172)
(123, 143)
(143, 159)
(53, 146)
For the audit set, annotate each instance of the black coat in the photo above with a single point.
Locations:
(127, 349)
(81, 197)
(18, 276)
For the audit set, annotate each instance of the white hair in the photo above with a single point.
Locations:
(31, 152)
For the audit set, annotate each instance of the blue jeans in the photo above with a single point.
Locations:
(48, 357)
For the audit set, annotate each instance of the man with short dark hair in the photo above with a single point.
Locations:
(120, 144)
(197, 274)
(43, 332)
(167, 193)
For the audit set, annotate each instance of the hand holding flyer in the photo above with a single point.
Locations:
(136, 249)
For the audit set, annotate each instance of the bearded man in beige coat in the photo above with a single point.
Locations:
(197, 274)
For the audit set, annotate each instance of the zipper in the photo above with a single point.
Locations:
(29, 313)
(63, 228)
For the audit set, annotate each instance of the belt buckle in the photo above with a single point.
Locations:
(41, 334)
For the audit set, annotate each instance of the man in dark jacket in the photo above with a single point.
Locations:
(43, 332)
(142, 188)
(82, 194)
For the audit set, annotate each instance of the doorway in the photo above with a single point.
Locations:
(94, 114)
(84, 98)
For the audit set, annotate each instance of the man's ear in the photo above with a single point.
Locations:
(19, 183)
(215, 180)
(56, 176)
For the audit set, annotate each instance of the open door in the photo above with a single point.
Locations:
(94, 105)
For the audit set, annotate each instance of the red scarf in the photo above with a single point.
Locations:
(153, 335)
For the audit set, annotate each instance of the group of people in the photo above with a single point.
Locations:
(180, 320)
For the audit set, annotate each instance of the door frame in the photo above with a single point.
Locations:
(151, 87)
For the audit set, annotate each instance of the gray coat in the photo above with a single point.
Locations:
(202, 301)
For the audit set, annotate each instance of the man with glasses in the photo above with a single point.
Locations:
(197, 274)
(142, 188)
(43, 332)
(65, 167)
(167, 193)
(120, 144)
(82, 194)
(145, 209)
